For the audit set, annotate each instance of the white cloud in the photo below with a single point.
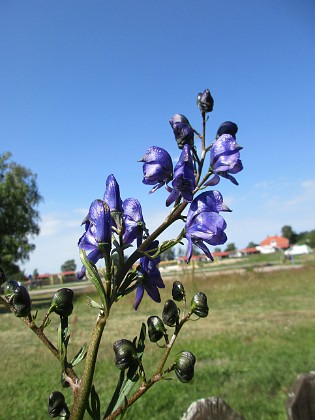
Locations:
(57, 241)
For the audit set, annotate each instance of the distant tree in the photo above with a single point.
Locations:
(168, 255)
(252, 245)
(287, 232)
(19, 218)
(69, 265)
(307, 238)
(217, 249)
(35, 274)
(181, 252)
(230, 247)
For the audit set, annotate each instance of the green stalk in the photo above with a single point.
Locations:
(81, 398)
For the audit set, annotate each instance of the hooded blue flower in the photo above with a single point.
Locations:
(207, 201)
(112, 194)
(152, 279)
(184, 178)
(225, 159)
(203, 224)
(183, 132)
(133, 221)
(157, 167)
(98, 230)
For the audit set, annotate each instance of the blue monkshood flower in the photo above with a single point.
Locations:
(228, 127)
(225, 159)
(205, 101)
(98, 230)
(207, 201)
(112, 194)
(113, 200)
(157, 167)
(183, 132)
(151, 278)
(184, 178)
(133, 221)
(204, 225)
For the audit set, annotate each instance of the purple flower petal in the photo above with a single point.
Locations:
(157, 167)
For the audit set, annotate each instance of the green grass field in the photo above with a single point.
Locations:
(260, 333)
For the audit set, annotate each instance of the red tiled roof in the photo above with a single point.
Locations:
(276, 241)
(252, 250)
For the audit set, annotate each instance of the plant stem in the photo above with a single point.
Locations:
(158, 375)
(171, 218)
(81, 398)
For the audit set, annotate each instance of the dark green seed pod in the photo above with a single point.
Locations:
(57, 405)
(3, 277)
(199, 305)
(9, 287)
(178, 291)
(184, 366)
(21, 301)
(61, 302)
(170, 313)
(125, 354)
(156, 328)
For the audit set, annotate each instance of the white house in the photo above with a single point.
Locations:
(298, 250)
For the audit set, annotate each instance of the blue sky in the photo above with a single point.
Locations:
(87, 86)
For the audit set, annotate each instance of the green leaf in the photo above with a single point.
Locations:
(116, 394)
(94, 407)
(93, 275)
(79, 356)
(94, 304)
(123, 389)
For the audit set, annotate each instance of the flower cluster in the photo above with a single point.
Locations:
(109, 216)
(113, 221)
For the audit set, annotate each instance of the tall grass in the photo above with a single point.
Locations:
(259, 335)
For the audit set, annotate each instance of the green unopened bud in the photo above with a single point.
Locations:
(21, 302)
(199, 305)
(125, 354)
(3, 277)
(170, 313)
(61, 302)
(57, 406)
(184, 366)
(178, 291)
(9, 287)
(156, 328)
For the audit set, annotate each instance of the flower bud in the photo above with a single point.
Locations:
(184, 366)
(183, 132)
(156, 328)
(3, 278)
(228, 127)
(125, 354)
(170, 313)
(9, 287)
(57, 405)
(178, 291)
(205, 101)
(199, 305)
(61, 302)
(21, 301)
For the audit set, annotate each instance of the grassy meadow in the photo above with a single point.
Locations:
(259, 335)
